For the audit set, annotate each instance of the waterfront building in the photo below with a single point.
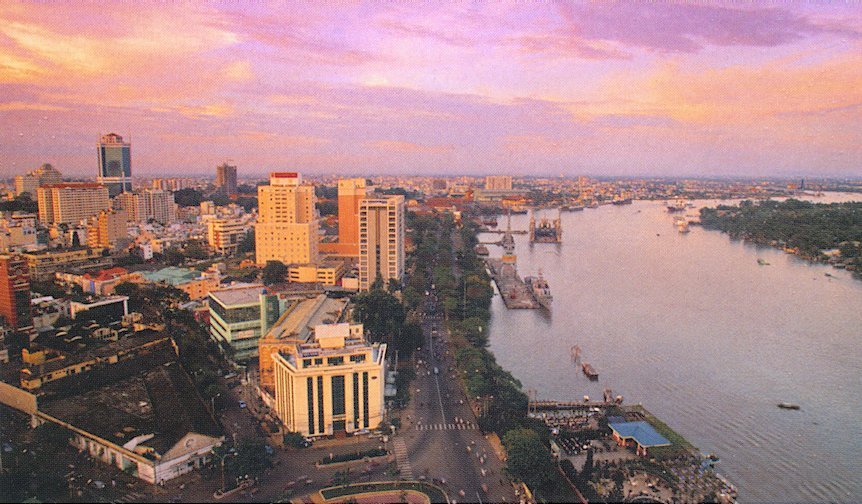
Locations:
(381, 240)
(225, 235)
(115, 164)
(333, 383)
(498, 183)
(149, 204)
(71, 202)
(287, 228)
(15, 293)
(640, 435)
(226, 178)
(29, 183)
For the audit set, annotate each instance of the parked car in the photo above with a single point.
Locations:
(242, 404)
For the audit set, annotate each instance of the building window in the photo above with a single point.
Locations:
(365, 399)
(320, 426)
(335, 361)
(306, 362)
(318, 362)
(310, 384)
(356, 400)
(337, 395)
(357, 358)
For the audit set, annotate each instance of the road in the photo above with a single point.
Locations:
(440, 430)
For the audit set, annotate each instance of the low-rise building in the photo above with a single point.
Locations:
(333, 383)
(43, 264)
(328, 272)
(127, 403)
(196, 284)
(239, 315)
(101, 309)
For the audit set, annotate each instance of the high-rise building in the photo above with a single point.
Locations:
(498, 183)
(226, 178)
(148, 204)
(334, 383)
(71, 202)
(29, 183)
(287, 227)
(115, 164)
(381, 240)
(350, 193)
(15, 293)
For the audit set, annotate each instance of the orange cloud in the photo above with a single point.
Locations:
(738, 94)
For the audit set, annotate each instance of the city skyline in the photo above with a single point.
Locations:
(614, 89)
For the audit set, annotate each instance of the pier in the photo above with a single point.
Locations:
(515, 293)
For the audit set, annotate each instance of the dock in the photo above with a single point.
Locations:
(515, 293)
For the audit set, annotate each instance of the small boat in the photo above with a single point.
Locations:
(790, 406)
(762, 262)
(589, 371)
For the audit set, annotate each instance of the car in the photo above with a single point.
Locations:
(242, 404)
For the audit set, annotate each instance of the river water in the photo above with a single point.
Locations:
(692, 327)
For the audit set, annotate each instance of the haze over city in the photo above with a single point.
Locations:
(529, 89)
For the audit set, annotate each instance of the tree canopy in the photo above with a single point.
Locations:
(274, 272)
(529, 459)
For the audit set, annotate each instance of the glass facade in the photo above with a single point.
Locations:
(234, 315)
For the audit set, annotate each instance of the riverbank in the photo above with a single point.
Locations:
(828, 233)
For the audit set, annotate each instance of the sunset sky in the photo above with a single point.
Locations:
(435, 88)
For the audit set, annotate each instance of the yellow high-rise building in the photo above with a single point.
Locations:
(287, 227)
(105, 229)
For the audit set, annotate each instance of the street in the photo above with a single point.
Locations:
(441, 434)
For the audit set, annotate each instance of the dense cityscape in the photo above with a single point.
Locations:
(233, 337)
(362, 252)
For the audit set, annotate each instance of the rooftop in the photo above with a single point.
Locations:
(300, 321)
(243, 295)
(172, 275)
(160, 400)
(642, 432)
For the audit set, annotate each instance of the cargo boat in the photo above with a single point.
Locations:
(540, 290)
(589, 371)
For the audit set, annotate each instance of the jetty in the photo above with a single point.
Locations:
(513, 290)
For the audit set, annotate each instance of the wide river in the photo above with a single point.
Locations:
(692, 327)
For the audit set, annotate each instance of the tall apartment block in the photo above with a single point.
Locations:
(287, 228)
(71, 202)
(115, 164)
(226, 178)
(15, 292)
(381, 240)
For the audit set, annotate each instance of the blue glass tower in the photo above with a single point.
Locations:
(115, 164)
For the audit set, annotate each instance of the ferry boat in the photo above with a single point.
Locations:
(540, 290)
(589, 371)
